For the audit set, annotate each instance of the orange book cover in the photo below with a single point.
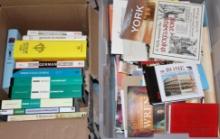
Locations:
(110, 11)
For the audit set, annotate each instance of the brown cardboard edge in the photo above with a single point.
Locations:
(5, 3)
(45, 129)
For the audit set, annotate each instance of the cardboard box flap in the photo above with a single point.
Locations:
(39, 2)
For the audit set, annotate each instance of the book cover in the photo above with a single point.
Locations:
(151, 84)
(46, 72)
(13, 34)
(52, 33)
(36, 103)
(204, 81)
(178, 32)
(159, 118)
(52, 81)
(40, 50)
(134, 51)
(53, 37)
(178, 81)
(198, 120)
(44, 90)
(34, 117)
(138, 21)
(119, 8)
(110, 14)
(139, 112)
(37, 111)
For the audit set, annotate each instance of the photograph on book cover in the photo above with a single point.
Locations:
(138, 20)
(178, 82)
(177, 33)
(139, 112)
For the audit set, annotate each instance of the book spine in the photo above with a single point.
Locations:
(54, 37)
(52, 50)
(44, 90)
(45, 116)
(13, 35)
(53, 81)
(45, 32)
(47, 72)
(36, 103)
(50, 64)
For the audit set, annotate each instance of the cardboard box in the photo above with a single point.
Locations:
(46, 15)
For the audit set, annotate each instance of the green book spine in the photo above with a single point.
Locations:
(54, 91)
(28, 81)
(19, 111)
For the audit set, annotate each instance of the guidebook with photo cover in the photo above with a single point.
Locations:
(138, 20)
(139, 112)
(178, 81)
(177, 33)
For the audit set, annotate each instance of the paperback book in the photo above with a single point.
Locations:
(139, 112)
(178, 32)
(49, 64)
(178, 81)
(138, 21)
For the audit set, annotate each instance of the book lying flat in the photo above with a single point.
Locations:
(34, 117)
(178, 32)
(179, 82)
(41, 50)
(36, 103)
(198, 120)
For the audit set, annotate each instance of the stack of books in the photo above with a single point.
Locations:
(163, 71)
(46, 79)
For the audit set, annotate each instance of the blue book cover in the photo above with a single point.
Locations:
(204, 81)
(61, 72)
(13, 34)
(205, 21)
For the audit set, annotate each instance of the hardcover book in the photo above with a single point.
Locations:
(198, 120)
(178, 81)
(139, 112)
(36, 103)
(49, 64)
(178, 32)
(13, 34)
(40, 50)
(138, 21)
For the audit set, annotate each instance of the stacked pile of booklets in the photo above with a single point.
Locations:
(44, 75)
(164, 81)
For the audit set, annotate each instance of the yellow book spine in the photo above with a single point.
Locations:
(50, 50)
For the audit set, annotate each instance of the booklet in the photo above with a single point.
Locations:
(178, 81)
(178, 31)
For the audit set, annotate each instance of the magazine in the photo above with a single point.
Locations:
(178, 81)
(178, 31)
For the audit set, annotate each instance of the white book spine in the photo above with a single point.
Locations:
(45, 32)
(54, 37)
(55, 64)
(45, 116)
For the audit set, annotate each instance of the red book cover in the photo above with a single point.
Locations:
(198, 120)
